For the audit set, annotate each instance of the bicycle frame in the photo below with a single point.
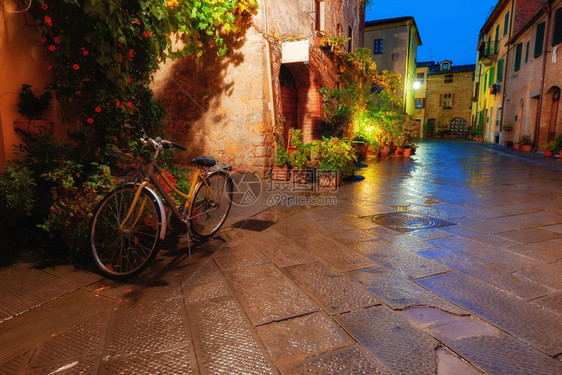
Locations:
(153, 170)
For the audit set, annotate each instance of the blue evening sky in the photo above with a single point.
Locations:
(448, 28)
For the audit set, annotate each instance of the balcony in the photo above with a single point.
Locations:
(488, 52)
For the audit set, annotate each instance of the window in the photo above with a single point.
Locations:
(489, 49)
(421, 77)
(557, 32)
(492, 75)
(350, 36)
(485, 82)
(500, 71)
(518, 51)
(447, 100)
(527, 51)
(449, 78)
(496, 40)
(506, 24)
(539, 39)
(420, 103)
(319, 9)
(445, 66)
(377, 47)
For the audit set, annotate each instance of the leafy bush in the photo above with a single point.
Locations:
(300, 158)
(282, 157)
(525, 140)
(337, 155)
(558, 142)
(18, 191)
(31, 105)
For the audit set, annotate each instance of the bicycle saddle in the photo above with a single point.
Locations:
(203, 161)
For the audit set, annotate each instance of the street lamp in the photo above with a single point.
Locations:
(417, 85)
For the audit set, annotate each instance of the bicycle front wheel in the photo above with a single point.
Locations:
(211, 204)
(123, 239)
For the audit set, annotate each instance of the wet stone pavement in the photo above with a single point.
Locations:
(448, 262)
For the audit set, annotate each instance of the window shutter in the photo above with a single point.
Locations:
(500, 71)
(441, 100)
(539, 40)
(496, 40)
(557, 35)
(452, 100)
(518, 51)
(492, 76)
(527, 52)
(506, 24)
(423, 103)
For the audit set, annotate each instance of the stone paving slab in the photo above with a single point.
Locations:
(224, 340)
(546, 251)
(384, 334)
(267, 295)
(281, 250)
(508, 282)
(241, 256)
(348, 361)
(24, 288)
(548, 274)
(22, 333)
(429, 234)
(334, 254)
(489, 239)
(492, 350)
(496, 257)
(298, 338)
(552, 302)
(402, 240)
(175, 361)
(530, 235)
(407, 264)
(399, 293)
(526, 321)
(526, 221)
(333, 292)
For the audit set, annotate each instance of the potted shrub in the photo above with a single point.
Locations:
(33, 107)
(280, 170)
(338, 158)
(507, 128)
(300, 159)
(549, 148)
(295, 141)
(558, 145)
(525, 143)
(361, 145)
(409, 149)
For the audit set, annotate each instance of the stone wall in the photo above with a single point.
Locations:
(461, 91)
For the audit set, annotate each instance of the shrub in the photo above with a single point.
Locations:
(525, 140)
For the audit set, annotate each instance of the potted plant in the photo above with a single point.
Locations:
(295, 141)
(525, 143)
(300, 159)
(361, 145)
(280, 170)
(409, 149)
(558, 145)
(33, 107)
(549, 148)
(338, 158)
(507, 127)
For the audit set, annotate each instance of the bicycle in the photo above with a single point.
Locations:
(130, 221)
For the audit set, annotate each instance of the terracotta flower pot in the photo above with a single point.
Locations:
(525, 148)
(331, 180)
(407, 152)
(301, 176)
(280, 173)
(516, 146)
(385, 151)
(548, 154)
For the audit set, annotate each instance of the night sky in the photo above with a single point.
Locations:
(448, 29)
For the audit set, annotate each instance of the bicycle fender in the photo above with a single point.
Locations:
(163, 223)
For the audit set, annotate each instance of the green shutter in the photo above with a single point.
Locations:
(500, 71)
(496, 41)
(539, 40)
(485, 82)
(527, 52)
(518, 52)
(506, 24)
(492, 75)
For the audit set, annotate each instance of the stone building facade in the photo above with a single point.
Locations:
(235, 109)
(394, 46)
(532, 104)
(444, 97)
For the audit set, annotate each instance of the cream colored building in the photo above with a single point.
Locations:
(394, 46)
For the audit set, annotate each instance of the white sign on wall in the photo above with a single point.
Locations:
(295, 51)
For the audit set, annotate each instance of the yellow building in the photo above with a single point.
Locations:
(394, 46)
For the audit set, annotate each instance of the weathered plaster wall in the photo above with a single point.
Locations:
(461, 88)
(22, 60)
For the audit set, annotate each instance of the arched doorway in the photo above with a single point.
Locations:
(554, 98)
(289, 101)
(431, 127)
(458, 126)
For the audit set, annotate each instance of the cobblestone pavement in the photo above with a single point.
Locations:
(446, 262)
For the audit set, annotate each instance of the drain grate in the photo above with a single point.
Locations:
(407, 221)
(253, 224)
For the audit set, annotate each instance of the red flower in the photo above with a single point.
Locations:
(48, 21)
(137, 22)
(341, 152)
(146, 34)
(98, 109)
(76, 66)
(121, 56)
(44, 7)
(130, 104)
(52, 48)
(50, 67)
(43, 40)
(86, 53)
(90, 120)
(114, 139)
(78, 93)
(117, 102)
(131, 54)
(128, 79)
(57, 40)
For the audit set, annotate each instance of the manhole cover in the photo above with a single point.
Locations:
(407, 221)
(253, 224)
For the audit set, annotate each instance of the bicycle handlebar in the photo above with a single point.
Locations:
(157, 143)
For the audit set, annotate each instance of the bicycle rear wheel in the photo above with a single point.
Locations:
(211, 204)
(123, 250)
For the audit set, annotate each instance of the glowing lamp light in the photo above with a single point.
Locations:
(417, 85)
